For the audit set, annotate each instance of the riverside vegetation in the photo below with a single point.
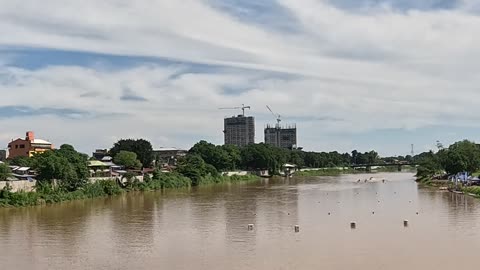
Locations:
(460, 157)
(62, 174)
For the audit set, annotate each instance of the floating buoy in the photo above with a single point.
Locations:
(373, 213)
(405, 223)
(297, 228)
(353, 225)
(250, 227)
(329, 213)
(410, 201)
(417, 213)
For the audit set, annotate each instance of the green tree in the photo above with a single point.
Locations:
(141, 147)
(234, 154)
(297, 158)
(5, 172)
(193, 167)
(354, 157)
(213, 155)
(127, 159)
(22, 161)
(65, 164)
(463, 156)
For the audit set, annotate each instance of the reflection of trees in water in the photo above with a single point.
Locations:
(460, 208)
(133, 220)
(269, 206)
(56, 229)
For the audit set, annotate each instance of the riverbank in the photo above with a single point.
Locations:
(473, 191)
(340, 171)
(47, 194)
(324, 172)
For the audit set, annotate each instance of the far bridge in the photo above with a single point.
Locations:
(368, 167)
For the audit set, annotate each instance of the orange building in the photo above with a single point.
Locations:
(28, 147)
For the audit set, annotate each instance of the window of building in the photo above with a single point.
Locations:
(22, 146)
(16, 146)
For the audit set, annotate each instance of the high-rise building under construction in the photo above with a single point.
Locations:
(239, 130)
(281, 136)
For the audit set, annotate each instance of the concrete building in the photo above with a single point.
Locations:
(281, 136)
(239, 130)
(28, 147)
(168, 155)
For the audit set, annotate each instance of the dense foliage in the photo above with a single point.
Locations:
(5, 172)
(66, 165)
(463, 156)
(267, 157)
(127, 159)
(141, 147)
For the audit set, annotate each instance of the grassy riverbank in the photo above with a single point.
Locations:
(46, 194)
(472, 190)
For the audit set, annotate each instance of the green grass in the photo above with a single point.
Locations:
(46, 194)
(472, 190)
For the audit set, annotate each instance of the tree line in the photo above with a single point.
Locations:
(462, 156)
(203, 159)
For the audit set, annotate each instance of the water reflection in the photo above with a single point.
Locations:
(206, 228)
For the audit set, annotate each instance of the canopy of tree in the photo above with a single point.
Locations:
(5, 172)
(64, 164)
(127, 159)
(267, 157)
(141, 147)
(22, 161)
(463, 156)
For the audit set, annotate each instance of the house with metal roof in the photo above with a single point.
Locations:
(28, 147)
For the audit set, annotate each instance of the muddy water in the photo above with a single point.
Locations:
(206, 228)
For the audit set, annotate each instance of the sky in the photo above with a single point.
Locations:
(351, 74)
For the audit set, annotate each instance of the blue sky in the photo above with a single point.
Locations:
(365, 74)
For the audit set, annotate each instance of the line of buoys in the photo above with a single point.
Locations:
(353, 225)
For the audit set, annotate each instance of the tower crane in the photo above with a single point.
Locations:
(277, 116)
(243, 107)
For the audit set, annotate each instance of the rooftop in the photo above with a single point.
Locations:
(40, 141)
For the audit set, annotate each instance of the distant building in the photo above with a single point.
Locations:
(168, 156)
(28, 147)
(239, 130)
(99, 154)
(283, 137)
(3, 155)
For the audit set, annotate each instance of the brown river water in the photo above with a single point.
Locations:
(206, 228)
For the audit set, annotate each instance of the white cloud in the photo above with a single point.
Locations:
(417, 68)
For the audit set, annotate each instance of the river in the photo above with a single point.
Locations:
(206, 228)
